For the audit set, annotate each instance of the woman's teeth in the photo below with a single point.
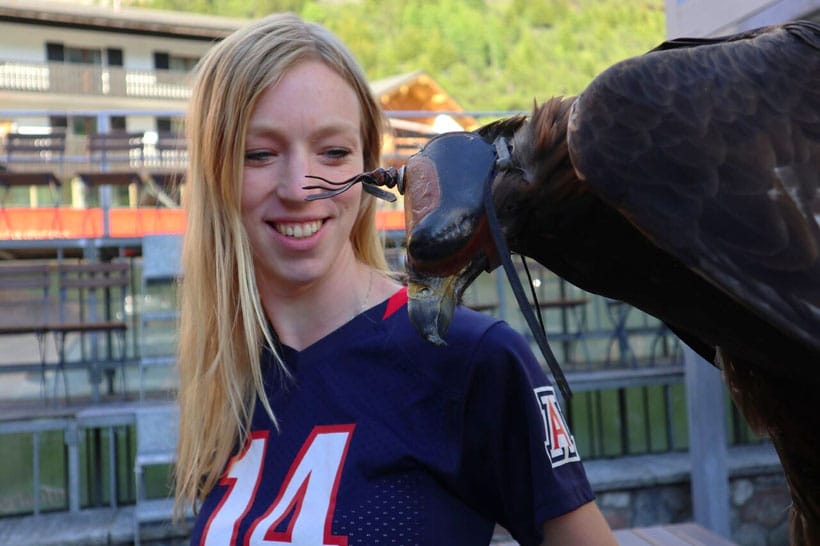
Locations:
(298, 231)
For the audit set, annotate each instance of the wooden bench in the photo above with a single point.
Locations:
(119, 155)
(171, 142)
(24, 297)
(26, 156)
(116, 146)
(81, 315)
(164, 180)
(34, 148)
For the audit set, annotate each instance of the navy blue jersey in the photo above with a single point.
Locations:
(386, 439)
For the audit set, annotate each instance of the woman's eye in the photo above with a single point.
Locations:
(337, 153)
(257, 156)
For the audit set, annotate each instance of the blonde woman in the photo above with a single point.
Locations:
(311, 411)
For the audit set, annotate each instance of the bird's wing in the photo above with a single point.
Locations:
(711, 148)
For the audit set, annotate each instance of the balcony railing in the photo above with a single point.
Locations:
(87, 79)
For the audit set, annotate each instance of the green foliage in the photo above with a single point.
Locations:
(487, 54)
(228, 8)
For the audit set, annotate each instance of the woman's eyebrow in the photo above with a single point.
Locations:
(336, 128)
(264, 129)
(320, 131)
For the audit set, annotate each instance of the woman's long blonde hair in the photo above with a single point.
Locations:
(223, 328)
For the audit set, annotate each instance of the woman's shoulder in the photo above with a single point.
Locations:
(467, 326)
(472, 336)
(476, 326)
(487, 330)
(478, 347)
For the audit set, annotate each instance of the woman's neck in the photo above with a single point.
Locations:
(304, 315)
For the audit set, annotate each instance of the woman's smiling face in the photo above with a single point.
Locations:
(307, 124)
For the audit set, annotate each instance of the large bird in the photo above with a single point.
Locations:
(684, 182)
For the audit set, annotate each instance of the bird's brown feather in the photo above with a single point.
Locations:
(712, 150)
(690, 193)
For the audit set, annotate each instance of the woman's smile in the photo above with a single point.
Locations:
(297, 230)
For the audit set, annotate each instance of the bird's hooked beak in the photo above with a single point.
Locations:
(448, 244)
(432, 299)
(430, 304)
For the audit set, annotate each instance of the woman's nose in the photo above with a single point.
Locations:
(293, 178)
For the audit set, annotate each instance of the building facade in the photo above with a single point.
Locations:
(87, 69)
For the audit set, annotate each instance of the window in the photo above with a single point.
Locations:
(182, 64)
(167, 124)
(59, 123)
(164, 125)
(161, 60)
(60, 53)
(83, 125)
(177, 63)
(117, 123)
(113, 56)
(83, 55)
(55, 52)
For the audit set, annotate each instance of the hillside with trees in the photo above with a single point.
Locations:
(488, 54)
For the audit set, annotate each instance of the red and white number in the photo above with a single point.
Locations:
(242, 479)
(302, 512)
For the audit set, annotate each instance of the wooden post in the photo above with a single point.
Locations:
(706, 411)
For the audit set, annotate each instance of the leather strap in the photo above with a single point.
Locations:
(503, 254)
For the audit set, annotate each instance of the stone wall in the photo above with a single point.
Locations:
(651, 490)
(760, 510)
(759, 507)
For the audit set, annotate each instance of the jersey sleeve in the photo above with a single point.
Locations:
(519, 459)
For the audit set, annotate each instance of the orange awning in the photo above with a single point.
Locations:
(21, 223)
(390, 220)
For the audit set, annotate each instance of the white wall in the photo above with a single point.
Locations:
(22, 42)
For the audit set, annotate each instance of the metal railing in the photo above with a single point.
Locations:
(618, 409)
(621, 363)
(624, 366)
(68, 463)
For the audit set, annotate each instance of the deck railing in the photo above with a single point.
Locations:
(89, 79)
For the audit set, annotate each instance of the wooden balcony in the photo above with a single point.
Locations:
(93, 80)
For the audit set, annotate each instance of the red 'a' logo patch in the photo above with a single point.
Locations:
(559, 443)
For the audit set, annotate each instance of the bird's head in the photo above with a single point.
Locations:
(448, 238)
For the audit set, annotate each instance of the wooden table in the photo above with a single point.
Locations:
(680, 534)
